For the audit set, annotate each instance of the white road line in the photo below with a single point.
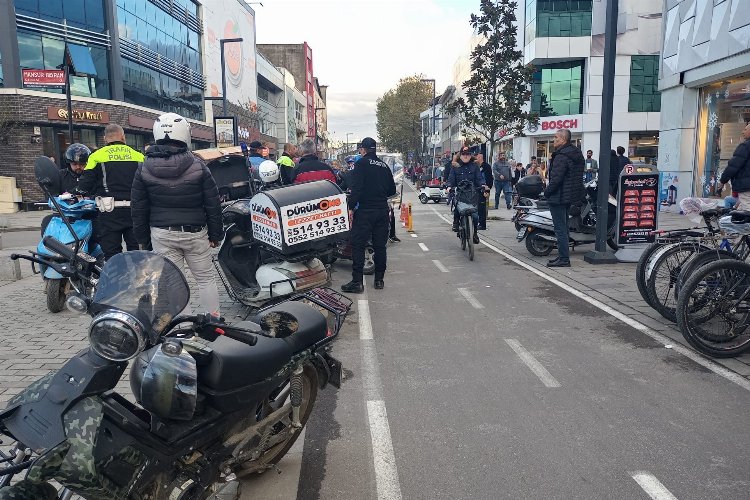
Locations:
(424, 247)
(440, 266)
(663, 339)
(534, 365)
(386, 474)
(470, 298)
(413, 235)
(365, 323)
(652, 486)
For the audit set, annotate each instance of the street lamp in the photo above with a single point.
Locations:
(224, 70)
(434, 84)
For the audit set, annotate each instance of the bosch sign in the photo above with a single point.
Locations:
(558, 124)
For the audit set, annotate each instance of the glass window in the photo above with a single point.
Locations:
(53, 10)
(557, 18)
(30, 50)
(644, 84)
(557, 89)
(54, 52)
(28, 7)
(75, 11)
(95, 14)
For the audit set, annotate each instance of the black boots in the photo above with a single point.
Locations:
(353, 287)
(379, 284)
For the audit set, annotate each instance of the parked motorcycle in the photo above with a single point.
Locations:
(537, 229)
(72, 225)
(213, 401)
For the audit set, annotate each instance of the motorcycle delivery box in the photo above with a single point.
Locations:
(530, 186)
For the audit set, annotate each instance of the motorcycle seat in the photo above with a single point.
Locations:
(311, 325)
(741, 216)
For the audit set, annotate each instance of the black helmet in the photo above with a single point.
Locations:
(77, 153)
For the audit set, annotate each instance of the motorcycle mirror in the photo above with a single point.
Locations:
(47, 175)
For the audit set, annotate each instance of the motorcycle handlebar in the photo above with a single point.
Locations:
(59, 247)
(206, 321)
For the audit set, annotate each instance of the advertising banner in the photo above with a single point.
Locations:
(225, 131)
(265, 221)
(637, 204)
(43, 78)
(314, 219)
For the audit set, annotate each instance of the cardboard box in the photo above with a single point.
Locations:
(8, 207)
(7, 189)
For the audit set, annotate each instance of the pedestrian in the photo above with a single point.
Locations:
(614, 172)
(532, 164)
(76, 157)
(176, 207)
(466, 169)
(738, 171)
(501, 174)
(621, 158)
(372, 184)
(310, 168)
(486, 170)
(286, 164)
(109, 178)
(592, 167)
(255, 159)
(518, 173)
(565, 187)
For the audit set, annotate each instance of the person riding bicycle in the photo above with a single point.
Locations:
(466, 169)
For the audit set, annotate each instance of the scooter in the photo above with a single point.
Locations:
(537, 228)
(433, 193)
(71, 224)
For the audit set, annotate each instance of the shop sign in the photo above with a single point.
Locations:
(79, 115)
(637, 205)
(570, 124)
(225, 130)
(43, 78)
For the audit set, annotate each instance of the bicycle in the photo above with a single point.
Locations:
(466, 202)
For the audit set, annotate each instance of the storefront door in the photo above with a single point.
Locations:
(545, 147)
(55, 141)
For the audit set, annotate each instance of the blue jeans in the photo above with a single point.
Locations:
(506, 188)
(560, 221)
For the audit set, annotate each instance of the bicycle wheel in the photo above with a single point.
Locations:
(640, 269)
(469, 236)
(696, 262)
(462, 232)
(718, 294)
(661, 281)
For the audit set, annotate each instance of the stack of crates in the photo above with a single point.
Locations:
(10, 195)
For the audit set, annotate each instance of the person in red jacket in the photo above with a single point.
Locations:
(310, 168)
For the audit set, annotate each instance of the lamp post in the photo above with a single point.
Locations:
(434, 84)
(224, 71)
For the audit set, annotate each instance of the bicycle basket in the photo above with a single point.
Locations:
(467, 195)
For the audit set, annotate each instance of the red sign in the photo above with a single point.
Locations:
(43, 78)
(557, 124)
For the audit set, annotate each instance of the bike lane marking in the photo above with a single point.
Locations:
(414, 235)
(424, 247)
(440, 266)
(652, 486)
(534, 365)
(365, 322)
(470, 298)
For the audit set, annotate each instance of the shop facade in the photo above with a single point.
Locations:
(705, 85)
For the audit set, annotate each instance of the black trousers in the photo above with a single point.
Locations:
(369, 225)
(110, 228)
(482, 211)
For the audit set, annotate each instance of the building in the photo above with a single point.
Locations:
(297, 59)
(705, 85)
(565, 43)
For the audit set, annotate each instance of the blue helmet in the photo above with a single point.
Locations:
(357, 158)
(350, 159)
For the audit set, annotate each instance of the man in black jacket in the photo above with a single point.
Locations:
(486, 170)
(565, 186)
(75, 157)
(372, 184)
(175, 206)
(738, 171)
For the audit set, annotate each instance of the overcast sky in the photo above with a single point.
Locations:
(361, 48)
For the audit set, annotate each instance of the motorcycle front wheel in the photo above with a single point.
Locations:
(56, 294)
(281, 439)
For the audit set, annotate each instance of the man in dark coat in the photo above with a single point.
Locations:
(738, 171)
(310, 168)
(565, 186)
(486, 170)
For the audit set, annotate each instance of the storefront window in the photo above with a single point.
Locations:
(545, 148)
(55, 141)
(557, 89)
(724, 111)
(86, 14)
(644, 84)
(644, 147)
(557, 18)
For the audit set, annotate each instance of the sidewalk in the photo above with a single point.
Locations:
(611, 284)
(22, 221)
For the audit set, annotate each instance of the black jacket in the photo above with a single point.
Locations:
(68, 181)
(310, 168)
(174, 188)
(614, 172)
(466, 172)
(565, 176)
(110, 171)
(487, 173)
(371, 182)
(516, 175)
(738, 169)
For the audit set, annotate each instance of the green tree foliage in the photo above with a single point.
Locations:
(399, 127)
(500, 83)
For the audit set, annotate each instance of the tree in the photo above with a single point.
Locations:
(399, 127)
(499, 88)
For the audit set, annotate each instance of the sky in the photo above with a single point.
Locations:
(361, 48)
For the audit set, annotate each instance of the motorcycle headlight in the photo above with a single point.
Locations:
(116, 336)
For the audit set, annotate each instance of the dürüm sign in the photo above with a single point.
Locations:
(54, 113)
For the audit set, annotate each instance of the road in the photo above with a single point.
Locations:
(483, 380)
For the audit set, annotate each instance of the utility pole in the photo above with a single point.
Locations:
(434, 117)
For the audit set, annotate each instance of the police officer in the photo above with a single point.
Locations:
(371, 183)
(109, 177)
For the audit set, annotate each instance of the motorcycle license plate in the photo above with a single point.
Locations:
(335, 366)
(521, 232)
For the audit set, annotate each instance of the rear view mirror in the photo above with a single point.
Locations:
(47, 175)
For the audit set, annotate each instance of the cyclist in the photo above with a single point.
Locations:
(466, 169)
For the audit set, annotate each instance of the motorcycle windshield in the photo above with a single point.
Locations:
(145, 285)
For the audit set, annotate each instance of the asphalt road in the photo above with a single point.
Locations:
(483, 380)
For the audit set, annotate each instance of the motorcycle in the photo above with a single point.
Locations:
(72, 225)
(537, 228)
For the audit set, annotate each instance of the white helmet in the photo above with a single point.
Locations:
(173, 127)
(268, 171)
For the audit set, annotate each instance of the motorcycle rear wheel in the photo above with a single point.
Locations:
(537, 246)
(273, 455)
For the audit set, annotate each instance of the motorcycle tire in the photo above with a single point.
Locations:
(537, 246)
(424, 199)
(56, 295)
(640, 270)
(724, 328)
(277, 452)
(369, 267)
